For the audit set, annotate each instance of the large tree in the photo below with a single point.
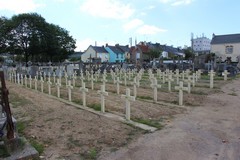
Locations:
(30, 35)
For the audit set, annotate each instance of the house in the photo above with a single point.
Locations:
(140, 53)
(201, 45)
(95, 53)
(168, 51)
(226, 46)
(75, 55)
(126, 51)
(115, 54)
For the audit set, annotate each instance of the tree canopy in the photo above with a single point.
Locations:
(31, 36)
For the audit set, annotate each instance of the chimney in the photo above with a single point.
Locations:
(106, 45)
(213, 35)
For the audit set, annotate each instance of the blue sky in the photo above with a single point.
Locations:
(168, 22)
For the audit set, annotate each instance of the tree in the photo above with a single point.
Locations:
(155, 53)
(3, 37)
(29, 34)
(59, 44)
(188, 53)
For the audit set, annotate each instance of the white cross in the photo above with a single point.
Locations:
(49, 85)
(155, 86)
(92, 79)
(125, 78)
(70, 87)
(189, 81)
(41, 81)
(83, 89)
(25, 79)
(128, 98)
(211, 74)
(181, 89)
(103, 93)
(225, 74)
(54, 77)
(118, 82)
(30, 81)
(35, 82)
(169, 80)
(134, 83)
(104, 80)
(58, 85)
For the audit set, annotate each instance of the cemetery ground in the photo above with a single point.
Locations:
(60, 130)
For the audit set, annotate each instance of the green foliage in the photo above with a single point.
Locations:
(149, 122)
(188, 53)
(3, 152)
(29, 34)
(145, 97)
(21, 127)
(155, 53)
(96, 107)
(38, 146)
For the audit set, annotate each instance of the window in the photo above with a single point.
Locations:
(229, 49)
(117, 55)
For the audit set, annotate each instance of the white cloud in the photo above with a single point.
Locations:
(82, 45)
(113, 9)
(133, 24)
(19, 6)
(149, 30)
(177, 2)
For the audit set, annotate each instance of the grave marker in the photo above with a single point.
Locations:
(155, 86)
(180, 88)
(103, 93)
(225, 74)
(128, 98)
(70, 87)
(58, 85)
(83, 89)
(118, 82)
(211, 74)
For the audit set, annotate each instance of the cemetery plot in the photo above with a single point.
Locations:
(64, 131)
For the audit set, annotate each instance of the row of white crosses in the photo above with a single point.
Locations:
(83, 90)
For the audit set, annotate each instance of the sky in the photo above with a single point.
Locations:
(113, 22)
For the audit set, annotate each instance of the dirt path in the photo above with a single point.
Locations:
(208, 132)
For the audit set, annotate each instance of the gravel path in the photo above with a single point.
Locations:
(208, 132)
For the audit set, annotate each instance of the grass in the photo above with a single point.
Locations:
(145, 97)
(3, 152)
(198, 92)
(17, 101)
(95, 106)
(38, 146)
(20, 127)
(78, 101)
(233, 94)
(149, 122)
(90, 155)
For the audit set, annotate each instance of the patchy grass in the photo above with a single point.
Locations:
(149, 122)
(145, 97)
(38, 146)
(198, 92)
(90, 155)
(233, 94)
(95, 106)
(21, 125)
(78, 101)
(3, 152)
(17, 101)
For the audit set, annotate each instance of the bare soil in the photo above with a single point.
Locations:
(208, 132)
(70, 133)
